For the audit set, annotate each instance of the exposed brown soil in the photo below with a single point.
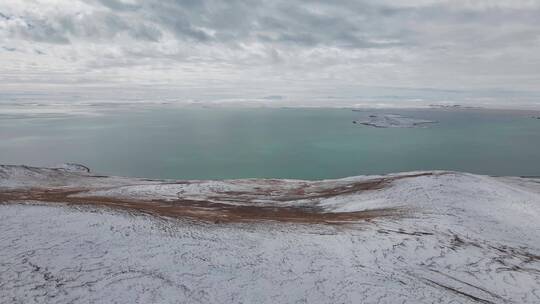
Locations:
(212, 211)
(200, 210)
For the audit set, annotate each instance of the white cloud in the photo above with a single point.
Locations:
(277, 47)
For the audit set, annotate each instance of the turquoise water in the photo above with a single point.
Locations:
(209, 143)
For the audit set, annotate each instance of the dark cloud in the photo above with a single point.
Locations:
(118, 5)
(351, 24)
(215, 21)
(6, 17)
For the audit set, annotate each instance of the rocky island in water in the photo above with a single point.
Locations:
(68, 235)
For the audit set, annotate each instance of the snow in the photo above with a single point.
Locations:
(394, 121)
(68, 175)
(71, 167)
(462, 238)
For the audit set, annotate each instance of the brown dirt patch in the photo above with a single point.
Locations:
(200, 210)
(211, 211)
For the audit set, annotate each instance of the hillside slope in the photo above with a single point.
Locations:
(67, 235)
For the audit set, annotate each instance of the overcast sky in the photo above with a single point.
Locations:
(293, 49)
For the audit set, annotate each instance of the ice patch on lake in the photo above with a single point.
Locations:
(393, 121)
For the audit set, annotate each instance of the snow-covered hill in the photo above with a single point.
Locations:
(67, 235)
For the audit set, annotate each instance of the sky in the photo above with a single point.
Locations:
(291, 51)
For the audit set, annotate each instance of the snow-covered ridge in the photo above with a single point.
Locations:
(416, 237)
(409, 192)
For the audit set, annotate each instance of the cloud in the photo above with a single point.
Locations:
(302, 43)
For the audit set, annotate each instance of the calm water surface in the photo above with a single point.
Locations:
(203, 143)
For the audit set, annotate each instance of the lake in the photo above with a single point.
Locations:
(218, 143)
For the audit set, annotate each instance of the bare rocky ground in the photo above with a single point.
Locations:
(68, 236)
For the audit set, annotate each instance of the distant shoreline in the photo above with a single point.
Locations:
(58, 107)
